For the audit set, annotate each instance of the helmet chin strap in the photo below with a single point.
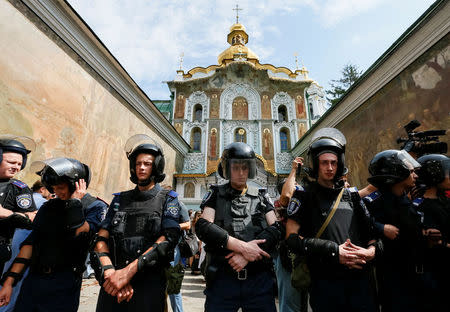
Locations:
(145, 182)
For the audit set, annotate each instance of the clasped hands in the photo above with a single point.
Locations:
(117, 284)
(249, 252)
(353, 256)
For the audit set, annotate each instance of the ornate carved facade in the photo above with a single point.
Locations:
(240, 99)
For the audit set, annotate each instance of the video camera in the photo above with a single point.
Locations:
(417, 142)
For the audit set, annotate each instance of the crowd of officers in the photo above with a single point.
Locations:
(385, 247)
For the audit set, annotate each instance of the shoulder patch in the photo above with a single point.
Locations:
(207, 196)
(416, 202)
(372, 196)
(19, 184)
(293, 207)
(24, 201)
(172, 194)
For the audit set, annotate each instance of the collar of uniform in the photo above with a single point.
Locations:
(144, 195)
(327, 191)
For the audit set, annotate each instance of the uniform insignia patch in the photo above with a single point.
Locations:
(293, 207)
(372, 196)
(24, 201)
(173, 210)
(207, 196)
(19, 183)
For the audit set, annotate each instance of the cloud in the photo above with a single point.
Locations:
(147, 37)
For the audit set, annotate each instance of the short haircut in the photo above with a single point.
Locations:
(37, 186)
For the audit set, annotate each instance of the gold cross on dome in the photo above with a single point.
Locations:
(181, 60)
(296, 60)
(237, 13)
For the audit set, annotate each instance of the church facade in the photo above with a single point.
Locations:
(240, 100)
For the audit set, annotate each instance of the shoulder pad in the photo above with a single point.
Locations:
(117, 194)
(372, 196)
(172, 194)
(209, 193)
(416, 202)
(19, 183)
(353, 189)
(98, 198)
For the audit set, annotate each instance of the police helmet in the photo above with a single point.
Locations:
(327, 140)
(55, 171)
(16, 144)
(434, 169)
(237, 152)
(141, 143)
(390, 167)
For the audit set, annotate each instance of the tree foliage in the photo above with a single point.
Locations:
(350, 73)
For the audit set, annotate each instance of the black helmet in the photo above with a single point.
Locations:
(434, 168)
(390, 167)
(237, 152)
(16, 144)
(327, 140)
(58, 170)
(141, 143)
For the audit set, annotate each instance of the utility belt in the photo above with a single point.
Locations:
(252, 269)
(41, 269)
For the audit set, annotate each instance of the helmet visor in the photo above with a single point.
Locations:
(29, 143)
(138, 140)
(242, 165)
(61, 166)
(407, 160)
(329, 133)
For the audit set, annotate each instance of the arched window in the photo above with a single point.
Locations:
(240, 108)
(282, 114)
(198, 112)
(196, 139)
(240, 135)
(285, 140)
(189, 190)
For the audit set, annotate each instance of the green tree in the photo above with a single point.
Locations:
(350, 73)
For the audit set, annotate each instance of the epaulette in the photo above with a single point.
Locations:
(98, 198)
(372, 196)
(116, 194)
(173, 194)
(19, 184)
(416, 202)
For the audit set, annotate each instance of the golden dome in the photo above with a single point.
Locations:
(237, 38)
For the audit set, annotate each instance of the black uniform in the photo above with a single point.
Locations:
(17, 197)
(243, 217)
(58, 256)
(334, 287)
(135, 220)
(397, 268)
(435, 214)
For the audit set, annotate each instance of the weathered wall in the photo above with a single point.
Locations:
(420, 92)
(46, 95)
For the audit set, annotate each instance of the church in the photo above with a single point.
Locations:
(239, 100)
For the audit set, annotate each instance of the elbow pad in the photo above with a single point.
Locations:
(17, 276)
(74, 214)
(211, 233)
(272, 235)
(97, 266)
(158, 252)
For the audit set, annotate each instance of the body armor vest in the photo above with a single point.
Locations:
(241, 216)
(136, 225)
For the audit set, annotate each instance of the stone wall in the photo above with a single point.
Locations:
(49, 96)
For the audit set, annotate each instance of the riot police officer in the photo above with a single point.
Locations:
(239, 227)
(138, 236)
(397, 224)
(434, 209)
(16, 201)
(330, 225)
(57, 247)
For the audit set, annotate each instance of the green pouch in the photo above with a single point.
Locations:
(300, 276)
(174, 275)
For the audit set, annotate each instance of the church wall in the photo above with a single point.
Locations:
(420, 92)
(47, 95)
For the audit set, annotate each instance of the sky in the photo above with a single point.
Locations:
(148, 36)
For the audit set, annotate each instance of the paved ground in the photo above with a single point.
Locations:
(192, 290)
